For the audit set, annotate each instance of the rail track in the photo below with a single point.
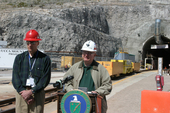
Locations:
(8, 105)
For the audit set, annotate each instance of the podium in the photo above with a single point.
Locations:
(96, 102)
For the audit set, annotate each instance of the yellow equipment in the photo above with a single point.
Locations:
(136, 66)
(114, 68)
(123, 63)
(68, 61)
(127, 65)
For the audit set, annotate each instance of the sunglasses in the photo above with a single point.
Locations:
(31, 42)
(88, 53)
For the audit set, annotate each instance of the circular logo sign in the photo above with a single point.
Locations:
(75, 101)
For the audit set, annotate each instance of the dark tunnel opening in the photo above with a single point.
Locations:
(155, 53)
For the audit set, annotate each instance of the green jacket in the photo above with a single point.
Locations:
(41, 71)
(100, 75)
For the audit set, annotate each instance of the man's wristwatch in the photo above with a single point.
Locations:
(32, 91)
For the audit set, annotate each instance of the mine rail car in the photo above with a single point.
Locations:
(114, 67)
(68, 61)
(117, 67)
(8, 105)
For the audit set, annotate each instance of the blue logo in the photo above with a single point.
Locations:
(76, 101)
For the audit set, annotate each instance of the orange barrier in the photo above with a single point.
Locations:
(155, 101)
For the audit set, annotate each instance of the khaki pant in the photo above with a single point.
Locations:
(36, 107)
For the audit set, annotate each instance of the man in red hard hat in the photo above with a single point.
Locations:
(31, 74)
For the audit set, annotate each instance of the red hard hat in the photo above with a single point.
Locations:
(32, 35)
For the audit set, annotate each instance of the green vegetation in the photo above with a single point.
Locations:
(59, 3)
(22, 4)
(4, 0)
(11, 5)
(37, 2)
(32, 3)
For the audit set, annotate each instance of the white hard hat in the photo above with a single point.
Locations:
(89, 46)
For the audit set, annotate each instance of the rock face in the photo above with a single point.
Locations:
(60, 30)
(112, 25)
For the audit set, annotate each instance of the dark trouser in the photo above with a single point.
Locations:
(36, 107)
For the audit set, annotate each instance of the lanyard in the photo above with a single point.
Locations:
(31, 67)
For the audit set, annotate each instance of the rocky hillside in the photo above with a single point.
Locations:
(65, 26)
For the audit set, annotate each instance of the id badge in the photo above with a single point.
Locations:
(28, 82)
(31, 80)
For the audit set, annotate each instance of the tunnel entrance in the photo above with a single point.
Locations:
(153, 54)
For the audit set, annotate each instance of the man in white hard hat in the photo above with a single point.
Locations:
(90, 74)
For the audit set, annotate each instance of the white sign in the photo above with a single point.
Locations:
(165, 46)
(160, 62)
(7, 56)
(3, 43)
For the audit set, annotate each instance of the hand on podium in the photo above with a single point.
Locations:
(94, 92)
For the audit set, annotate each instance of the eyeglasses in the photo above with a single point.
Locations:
(31, 42)
(88, 53)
